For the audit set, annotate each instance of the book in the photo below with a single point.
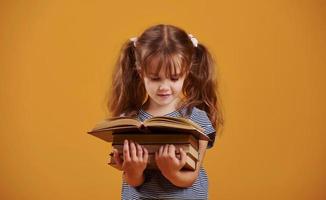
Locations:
(153, 133)
(190, 163)
(152, 148)
(160, 124)
(180, 138)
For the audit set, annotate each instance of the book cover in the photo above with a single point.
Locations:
(190, 163)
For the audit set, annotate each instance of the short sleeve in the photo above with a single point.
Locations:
(201, 118)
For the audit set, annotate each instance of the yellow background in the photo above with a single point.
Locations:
(56, 59)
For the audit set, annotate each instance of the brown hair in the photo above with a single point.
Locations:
(169, 47)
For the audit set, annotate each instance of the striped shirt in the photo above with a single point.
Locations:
(156, 186)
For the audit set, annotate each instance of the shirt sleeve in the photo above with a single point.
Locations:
(201, 118)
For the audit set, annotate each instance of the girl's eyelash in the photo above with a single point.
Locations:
(157, 79)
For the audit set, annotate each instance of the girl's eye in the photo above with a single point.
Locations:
(158, 78)
(174, 78)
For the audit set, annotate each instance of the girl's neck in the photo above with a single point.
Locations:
(157, 110)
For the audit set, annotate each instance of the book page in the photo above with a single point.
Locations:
(176, 122)
(117, 123)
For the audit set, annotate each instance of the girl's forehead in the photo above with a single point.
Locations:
(155, 70)
(160, 67)
(164, 73)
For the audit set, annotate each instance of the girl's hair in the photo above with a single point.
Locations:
(169, 47)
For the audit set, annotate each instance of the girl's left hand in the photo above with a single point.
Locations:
(167, 161)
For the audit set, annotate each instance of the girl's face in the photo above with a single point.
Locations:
(164, 91)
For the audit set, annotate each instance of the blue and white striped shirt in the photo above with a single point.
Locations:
(156, 186)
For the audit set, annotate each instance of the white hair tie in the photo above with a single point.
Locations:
(193, 40)
(134, 39)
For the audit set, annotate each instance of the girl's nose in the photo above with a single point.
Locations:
(163, 86)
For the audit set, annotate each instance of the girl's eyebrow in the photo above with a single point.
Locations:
(155, 75)
(152, 74)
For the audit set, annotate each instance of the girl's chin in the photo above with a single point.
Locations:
(164, 100)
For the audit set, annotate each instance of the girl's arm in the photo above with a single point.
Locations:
(134, 179)
(170, 166)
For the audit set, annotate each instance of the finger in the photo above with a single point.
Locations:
(160, 151)
(111, 156)
(171, 150)
(165, 151)
(139, 151)
(145, 155)
(117, 158)
(126, 155)
(133, 150)
(183, 157)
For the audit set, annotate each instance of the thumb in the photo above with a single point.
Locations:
(117, 158)
(183, 157)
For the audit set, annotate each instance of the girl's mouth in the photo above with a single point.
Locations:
(163, 95)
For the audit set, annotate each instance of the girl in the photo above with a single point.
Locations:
(165, 72)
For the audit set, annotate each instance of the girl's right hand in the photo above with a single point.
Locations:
(135, 159)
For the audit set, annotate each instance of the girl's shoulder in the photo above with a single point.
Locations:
(201, 118)
(198, 111)
(199, 115)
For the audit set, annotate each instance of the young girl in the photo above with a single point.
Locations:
(165, 72)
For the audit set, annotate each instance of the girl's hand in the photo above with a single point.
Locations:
(167, 161)
(135, 159)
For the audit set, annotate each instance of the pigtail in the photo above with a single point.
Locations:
(128, 91)
(200, 87)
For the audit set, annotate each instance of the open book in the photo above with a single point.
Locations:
(162, 124)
